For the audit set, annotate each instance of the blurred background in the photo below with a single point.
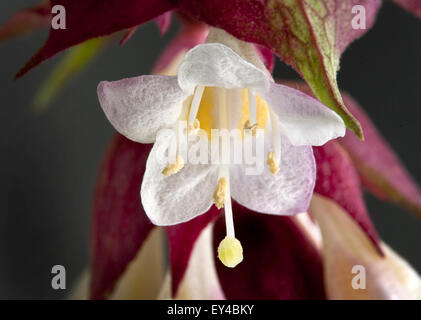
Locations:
(50, 160)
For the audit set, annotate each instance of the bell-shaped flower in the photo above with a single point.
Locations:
(215, 88)
(286, 256)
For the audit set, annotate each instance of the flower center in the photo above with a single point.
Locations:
(225, 109)
(242, 115)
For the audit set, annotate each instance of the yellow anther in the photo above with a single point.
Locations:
(220, 192)
(230, 252)
(252, 128)
(272, 163)
(193, 129)
(173, 168)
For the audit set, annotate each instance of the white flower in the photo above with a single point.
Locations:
(216, 88)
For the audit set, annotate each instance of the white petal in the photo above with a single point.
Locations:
(244, 49)
(138, 107)
(216, 65)
(303, 119)
(178, 198)
(286, 193)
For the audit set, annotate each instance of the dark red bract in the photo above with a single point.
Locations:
(279, 261)
(95, 18)
(120, 225)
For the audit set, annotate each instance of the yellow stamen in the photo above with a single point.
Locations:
(272, 163)
(230, 252)
(173, 168)
(220, 193)
(252, 128)
(193, 129)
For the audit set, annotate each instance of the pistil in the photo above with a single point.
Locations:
(230, 251)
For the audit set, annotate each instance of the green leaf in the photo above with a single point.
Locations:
(314, 33)
(72, 63)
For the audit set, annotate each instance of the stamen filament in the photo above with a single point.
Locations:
(178, 163)
(276, 139)
(194, 107)
(252, 106)
(222, 107)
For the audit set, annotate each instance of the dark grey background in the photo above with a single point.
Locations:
(49, 162)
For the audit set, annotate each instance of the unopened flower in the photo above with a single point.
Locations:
(216, 88)
(354, 269)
